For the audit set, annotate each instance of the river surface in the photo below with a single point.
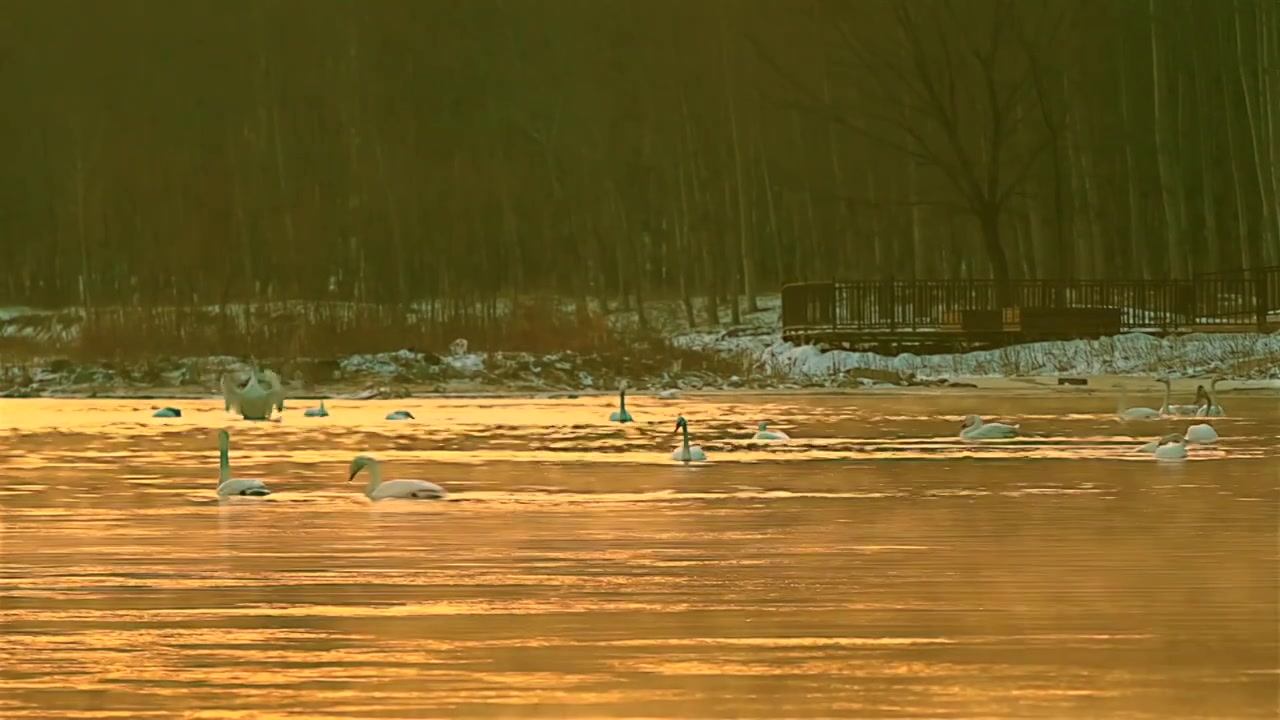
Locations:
(874, 567)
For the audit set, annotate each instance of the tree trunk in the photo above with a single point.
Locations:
(1259, 155)
(775, 232)
(1211, 242)
(989, 221)
(1168, 182)
(920, 261)
(684, 256)
(1137, 218)
(744, 247)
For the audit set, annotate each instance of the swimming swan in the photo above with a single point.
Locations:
(1171, 448)
(1201, 434)
(621, 415)
(764, 433)
(671, 394)
(316, 412)
(1141, 413)
(401, 489)
(1212, 408)
(1167, 409)
(228, 486)
(687, 453)
(167, 412)
(1150, 447)
(400, 415)
(974, 429)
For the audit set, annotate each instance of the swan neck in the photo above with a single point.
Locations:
(224, 463)
(685, 428)
(622, 401)
(375, 476)
(1167, 390)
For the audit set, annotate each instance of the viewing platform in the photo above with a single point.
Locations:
(956, 315)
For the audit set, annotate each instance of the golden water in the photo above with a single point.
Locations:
(877, 567)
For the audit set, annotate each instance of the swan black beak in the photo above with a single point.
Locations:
(352, 476)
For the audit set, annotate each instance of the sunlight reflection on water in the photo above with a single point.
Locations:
(875, 566)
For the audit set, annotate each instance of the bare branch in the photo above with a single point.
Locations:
(1020, 175)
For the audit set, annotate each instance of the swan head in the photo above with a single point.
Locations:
(359, 463)
(1164, 381)
(1172, 439)
(970, 421)
(681, 424)
(1202, 395)
(763, 427)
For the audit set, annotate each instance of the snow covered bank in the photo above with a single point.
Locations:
(1233, 355)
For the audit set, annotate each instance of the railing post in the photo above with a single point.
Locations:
(1260, 295)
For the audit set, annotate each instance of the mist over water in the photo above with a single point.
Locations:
(875, 566)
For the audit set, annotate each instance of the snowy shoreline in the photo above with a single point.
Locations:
(748, 358)
(729, 364)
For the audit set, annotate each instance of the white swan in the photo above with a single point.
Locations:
(167, 412)
(1201, 434)
(1167, 409)
(1150, 447)
(402, 489)
(687, 453)
(275, 388)
(1212, 408)
(621, 415)
(1171, 448)
(764, 433)
(400, 415)
(228, 486)
(1141, 413)
(671, 394)
(253, 401)
(316, 412)
(974, 429)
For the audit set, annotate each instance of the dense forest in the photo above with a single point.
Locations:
(215, 151)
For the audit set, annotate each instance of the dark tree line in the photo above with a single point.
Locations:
(216, 151)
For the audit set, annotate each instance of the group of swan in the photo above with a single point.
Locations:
(376, 489)
(1174, 445)
(261, 395)
(1205, 405)
(687, 453)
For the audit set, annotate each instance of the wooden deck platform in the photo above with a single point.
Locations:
(948, 316)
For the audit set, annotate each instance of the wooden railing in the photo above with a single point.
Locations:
(1242, 300)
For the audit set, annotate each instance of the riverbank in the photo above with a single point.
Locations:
(409, 374)
(667, 357)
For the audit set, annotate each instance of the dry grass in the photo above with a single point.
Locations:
(322, 331)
